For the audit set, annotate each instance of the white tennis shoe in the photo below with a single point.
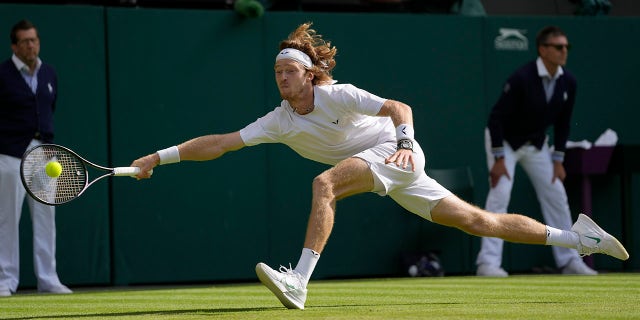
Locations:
(577, 266)
(592, 239)
(57, 289)
(5, 292)
(485, 270)
(287, 285)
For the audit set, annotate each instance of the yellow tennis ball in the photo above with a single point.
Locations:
(53, 169)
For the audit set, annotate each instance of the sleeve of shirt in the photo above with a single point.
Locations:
(266, 129)
(361, 100)
(563, 122)
(55, 84)
(511, 92)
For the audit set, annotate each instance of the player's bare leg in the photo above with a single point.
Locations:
(453, 212)
(585, 235)
(349, 177)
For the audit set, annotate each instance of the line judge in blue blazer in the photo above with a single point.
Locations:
(537, 96)
(28, 92)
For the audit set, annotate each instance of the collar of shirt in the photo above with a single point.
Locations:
(543, 73)
(23, 67)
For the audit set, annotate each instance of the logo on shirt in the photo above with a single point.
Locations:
(50, 87)
(511, 40)
(335, 122)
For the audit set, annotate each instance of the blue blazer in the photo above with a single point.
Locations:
(24, 115)
(523, 115)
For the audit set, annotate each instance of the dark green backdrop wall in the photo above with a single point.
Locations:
(136, 80)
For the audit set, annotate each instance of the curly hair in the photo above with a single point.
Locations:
(320, 51)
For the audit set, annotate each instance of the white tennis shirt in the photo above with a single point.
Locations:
(342, 124)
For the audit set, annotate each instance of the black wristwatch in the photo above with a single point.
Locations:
(405, 144)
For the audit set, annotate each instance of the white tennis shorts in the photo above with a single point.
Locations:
(414, 191)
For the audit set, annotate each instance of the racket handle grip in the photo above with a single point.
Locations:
(126, 171)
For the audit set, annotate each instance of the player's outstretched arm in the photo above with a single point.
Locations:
(202, 148)
(210, 147)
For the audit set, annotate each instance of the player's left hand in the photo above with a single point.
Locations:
(402, 158)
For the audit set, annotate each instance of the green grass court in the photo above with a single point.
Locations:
(606, 296)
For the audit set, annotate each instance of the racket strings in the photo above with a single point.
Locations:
(67, 186)
(73, 178)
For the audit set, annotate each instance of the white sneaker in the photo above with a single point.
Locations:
(595, 240)
(287, 285)
(577, 266)
(485, 270)
(5, 293)
(61, 289)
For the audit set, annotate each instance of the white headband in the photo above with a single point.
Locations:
(297, 55)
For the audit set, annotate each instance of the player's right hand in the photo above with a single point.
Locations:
(146, 165)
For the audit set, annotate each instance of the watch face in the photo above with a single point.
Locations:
(406, 144)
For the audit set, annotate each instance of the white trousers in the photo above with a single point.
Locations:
(552, 197)
(12, 196)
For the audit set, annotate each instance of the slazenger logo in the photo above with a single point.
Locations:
(511, 39)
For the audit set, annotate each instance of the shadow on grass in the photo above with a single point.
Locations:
(146, 313)
(241, 310)
(434, 304)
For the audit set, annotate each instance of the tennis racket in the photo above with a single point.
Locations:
(72, 181)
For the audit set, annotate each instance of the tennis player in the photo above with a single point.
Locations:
(369, 142)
